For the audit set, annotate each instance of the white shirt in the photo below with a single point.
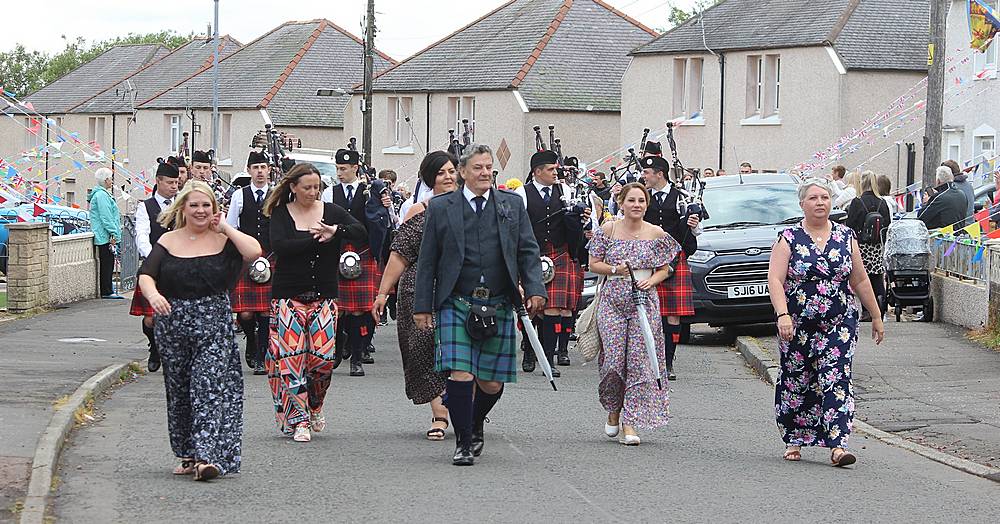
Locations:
(423, 193)
(469, 195)
(142, 227)
(328, 192)
(844, 198)
(236, 203)
(655, 195)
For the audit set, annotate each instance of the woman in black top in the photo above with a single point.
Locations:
(870, 201)
(305, 235)
(186, 279)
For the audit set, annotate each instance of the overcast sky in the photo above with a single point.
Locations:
(406, 26)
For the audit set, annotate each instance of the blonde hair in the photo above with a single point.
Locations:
(869, 182)
(173, 216)
(853, 179)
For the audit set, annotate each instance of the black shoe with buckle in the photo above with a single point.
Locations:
(259, 369)
(367, 358)
(154, 359)
(463, 456)
(528, 362)
(357, 370)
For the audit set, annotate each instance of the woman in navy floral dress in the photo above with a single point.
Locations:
(814, 267)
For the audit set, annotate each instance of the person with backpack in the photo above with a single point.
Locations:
(869, 216)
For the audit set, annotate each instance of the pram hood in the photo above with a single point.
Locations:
(907, 236)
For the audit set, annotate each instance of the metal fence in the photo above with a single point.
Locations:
(128, 256)
(960, 263)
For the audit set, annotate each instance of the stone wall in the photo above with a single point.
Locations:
(28, 266)
(959, 302)
(72, 269)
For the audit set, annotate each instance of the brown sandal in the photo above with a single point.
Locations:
(844, 458)
(186, 467)
(437, 434)
(203, 471)
(793, 455)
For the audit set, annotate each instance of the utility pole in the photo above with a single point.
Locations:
(215, 83)
(366, 108)
(935, 92)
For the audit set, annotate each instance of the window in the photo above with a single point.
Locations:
(398, 128)
(984, 144)
(95, 132)
(985, 64)
(689, 88)
(225, 138)
(763, 89)
(34, 133)
(70, 198)
(173, 128)
(462, 108)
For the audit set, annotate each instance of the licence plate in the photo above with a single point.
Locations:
(752, 290)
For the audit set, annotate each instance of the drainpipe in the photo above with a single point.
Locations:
(722, 107)
(427, 123)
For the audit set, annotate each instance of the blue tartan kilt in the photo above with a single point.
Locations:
(494, 359)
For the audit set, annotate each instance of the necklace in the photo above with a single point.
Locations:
(817, 238)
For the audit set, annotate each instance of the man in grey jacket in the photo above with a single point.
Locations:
(478, 249)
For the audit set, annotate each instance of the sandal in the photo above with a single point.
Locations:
(437, 434)
(793, 455)
(302, 433)
(317, 421)
(203, 471)
(186, 467)
(844, 458)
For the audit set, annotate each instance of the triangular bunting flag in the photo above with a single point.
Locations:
(979, 255)
(946, 230)
(38, 210)
(951, 249)
(974, 230)
(993, 235)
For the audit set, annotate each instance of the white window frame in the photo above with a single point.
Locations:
(398, 133)
(173, 133)
(759, 90)
(33, 140)
(763, 103)
(981, 133)
(95, 135)
(459, 108)
(777, 84)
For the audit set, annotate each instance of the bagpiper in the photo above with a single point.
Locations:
(251, 298)
(677, 292)
(359, 271)
(559, 234)
(147, 231)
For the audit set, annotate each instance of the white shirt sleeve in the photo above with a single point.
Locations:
(844, 198)
(524, 196)
(142, 230)
(328, 194)
(235, 208)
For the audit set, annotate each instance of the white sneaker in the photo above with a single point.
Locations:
(302, 433)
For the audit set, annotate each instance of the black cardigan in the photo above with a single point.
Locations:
(303, 264)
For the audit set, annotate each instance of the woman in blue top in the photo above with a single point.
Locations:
(814, 274)
(105, 222)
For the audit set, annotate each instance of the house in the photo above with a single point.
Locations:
(970, 122)
(771, 82)
(526, 63)
(292, 72)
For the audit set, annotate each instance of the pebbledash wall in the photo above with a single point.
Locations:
(818, 104)
(500, 119)
(44, 271)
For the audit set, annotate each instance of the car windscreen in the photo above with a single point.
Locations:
(751, 203)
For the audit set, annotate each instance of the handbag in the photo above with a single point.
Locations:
(481, 324)
(588, 337)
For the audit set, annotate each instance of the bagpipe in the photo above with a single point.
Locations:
(688, 182)
(379, 219)
(275, 145)
(456, 147)
(631, 171)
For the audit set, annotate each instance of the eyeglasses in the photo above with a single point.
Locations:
(816, 181)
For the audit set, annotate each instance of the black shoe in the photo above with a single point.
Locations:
(477, 438)
(336, 359)
(154, 361)
(555, 371)
(563, 360)
(573, 337)
(463, 456)
(671, 375)
(528, 363)
(259, 369)
(357, 370)
(371, 348)
(367, 358)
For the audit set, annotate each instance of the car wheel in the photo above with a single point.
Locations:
(685, 333)
(928, 310)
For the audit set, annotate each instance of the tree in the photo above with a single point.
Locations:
(21, 70)
(678, 16)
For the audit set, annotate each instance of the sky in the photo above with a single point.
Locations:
(405, 26)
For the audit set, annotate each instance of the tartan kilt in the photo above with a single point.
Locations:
(140, 306)
(492, 359)
(249, 296)
(567, 285)
(677, 292)
(358, 295)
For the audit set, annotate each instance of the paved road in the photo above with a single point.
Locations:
(546, 460)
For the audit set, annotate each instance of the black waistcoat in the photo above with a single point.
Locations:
(356, 207)
(666, 216)
(153, 212)
(252, 219)
(483, 254)
(553, 229)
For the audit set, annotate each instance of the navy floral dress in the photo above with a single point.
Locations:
(814, 398)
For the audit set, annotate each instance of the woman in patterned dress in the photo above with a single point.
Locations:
(870, 201)
(306, 234)
(814, 266)
(423, 384)
(628, 388)
(186, 278)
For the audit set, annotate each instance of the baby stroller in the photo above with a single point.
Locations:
(908, 267)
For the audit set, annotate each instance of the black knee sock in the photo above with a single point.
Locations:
(550, 335)
(671, 335)
(150, 336)
(366, 330)
(568, 324)
(483, 403)
(460, 409)
(263, 337)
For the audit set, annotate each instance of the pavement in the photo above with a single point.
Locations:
(930, 384)
(546, 459)
(43, 358)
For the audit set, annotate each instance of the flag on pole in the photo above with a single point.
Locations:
(983, 25)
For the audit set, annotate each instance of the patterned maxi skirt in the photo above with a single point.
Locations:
(300, 356)
(628, 384)
(204, 381)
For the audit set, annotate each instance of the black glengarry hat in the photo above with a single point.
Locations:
(166, 169)
(201, 156)
(652, 148)
(656, 163)
(542, 158)
(256, 157)
(347, 156)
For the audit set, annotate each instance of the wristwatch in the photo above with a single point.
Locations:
(614, 269)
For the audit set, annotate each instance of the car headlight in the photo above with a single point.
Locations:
(701, 256)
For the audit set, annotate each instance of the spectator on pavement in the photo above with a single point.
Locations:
(721, 172)
(837, 175)
(851, 189)
(870, 232)
(962, 183)
(186, 278)
(708, 172)
(600, 186)
(945, 205)
(105, 222)
(814, 267)
(885, 191)
(746, 168)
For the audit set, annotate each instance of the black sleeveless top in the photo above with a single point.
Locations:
(193, 277)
